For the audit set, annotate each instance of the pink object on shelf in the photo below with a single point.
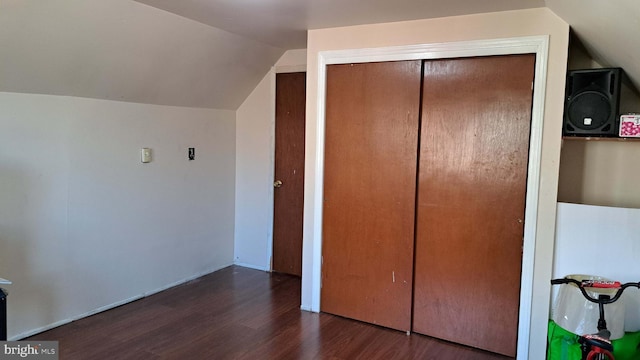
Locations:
(629, 126)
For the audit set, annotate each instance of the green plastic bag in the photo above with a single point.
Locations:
(563, 345)
(627, 348)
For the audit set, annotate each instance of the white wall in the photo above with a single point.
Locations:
(598, 172)
(255, 128)
(84, 225)
(601, 241)
(254, 177)
(461, 28)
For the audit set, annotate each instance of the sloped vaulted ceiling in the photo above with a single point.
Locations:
(284, 23)
(124, 50)
(212, 53)
(607, 29)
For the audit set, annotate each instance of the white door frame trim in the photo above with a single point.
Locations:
(538, 45)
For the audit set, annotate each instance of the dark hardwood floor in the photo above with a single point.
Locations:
(238, 313)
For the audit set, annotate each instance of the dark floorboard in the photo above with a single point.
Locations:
(238, 313)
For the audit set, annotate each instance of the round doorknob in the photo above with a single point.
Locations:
(277, 184)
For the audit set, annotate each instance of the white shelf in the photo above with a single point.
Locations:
(596, 138)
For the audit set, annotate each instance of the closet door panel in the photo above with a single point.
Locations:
(372, 115)
(476, 116)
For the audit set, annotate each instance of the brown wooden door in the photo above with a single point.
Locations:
(289, 170)
(371, 139)
(476, 116)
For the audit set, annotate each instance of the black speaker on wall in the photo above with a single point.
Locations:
(592, 102)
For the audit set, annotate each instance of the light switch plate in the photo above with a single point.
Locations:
(145, 154)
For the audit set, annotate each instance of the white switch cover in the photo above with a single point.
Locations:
(145, 155)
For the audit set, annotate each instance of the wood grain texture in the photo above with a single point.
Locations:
(238, 313)
(371, 139)
(476, 117)
(289, 168)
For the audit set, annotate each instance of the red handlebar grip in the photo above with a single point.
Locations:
(601, 284)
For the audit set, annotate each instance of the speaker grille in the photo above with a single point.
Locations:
(589, 110)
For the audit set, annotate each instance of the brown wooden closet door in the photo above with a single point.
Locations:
(288, 199)
(476, 116)
(369, 191)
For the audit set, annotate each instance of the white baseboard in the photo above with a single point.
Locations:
(306, 308)
(251, 266)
